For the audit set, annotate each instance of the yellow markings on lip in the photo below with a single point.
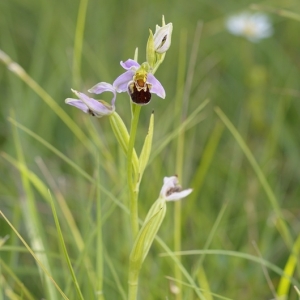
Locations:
(140, 82)
(140, 79)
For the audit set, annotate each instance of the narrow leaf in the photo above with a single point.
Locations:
(146, 150)
(62, 242)
(122, 136)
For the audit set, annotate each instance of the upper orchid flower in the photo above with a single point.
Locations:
(158, 44)
(172, 191)
(138, 82)
(97, 108)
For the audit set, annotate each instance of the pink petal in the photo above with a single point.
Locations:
(178, 195)
(121, 83)
(130, 64)
(90, 105)
(77, 103)
(101, 87)
(156, 87)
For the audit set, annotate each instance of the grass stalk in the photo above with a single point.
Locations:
(282, 227)
(99, 258)
(36, 258)
(32, 219)
(289, 269)
(77, 54)
(31, 83)
(63, 245)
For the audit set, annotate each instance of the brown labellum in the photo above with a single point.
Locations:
(139, 96)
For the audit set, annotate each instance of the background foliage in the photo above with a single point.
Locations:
(256, 85)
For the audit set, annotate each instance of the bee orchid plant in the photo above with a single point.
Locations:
(139, 82)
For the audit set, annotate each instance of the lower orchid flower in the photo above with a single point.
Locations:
(172, 191)
(97, 108)
(138, 82)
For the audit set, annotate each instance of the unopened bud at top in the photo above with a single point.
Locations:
(162, 37)
(172, 191)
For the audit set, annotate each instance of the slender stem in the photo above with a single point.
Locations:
(281, 225)
(79, 41)
(57, 109)
(179, 155)
(133, 282)
(132, 178)
(99, 261)
(178, 211)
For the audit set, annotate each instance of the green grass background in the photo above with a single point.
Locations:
(256, 85)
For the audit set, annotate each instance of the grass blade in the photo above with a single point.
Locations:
(39, 262)
(63, 245)
(282, 227)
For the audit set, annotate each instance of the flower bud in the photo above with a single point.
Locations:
(162, 38)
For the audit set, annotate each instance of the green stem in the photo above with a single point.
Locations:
(80, 24)
(179, 156)
(133, 178)
(178, 211)
(99, 261)
(281, 225)
(133, 285)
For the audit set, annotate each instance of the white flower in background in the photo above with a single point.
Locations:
(253, 26)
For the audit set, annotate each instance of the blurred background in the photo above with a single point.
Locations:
(255, 84)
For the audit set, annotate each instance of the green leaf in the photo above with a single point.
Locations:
(150, 52)
(122, 136)
(63, 245)
(147, 233)
(146, 150)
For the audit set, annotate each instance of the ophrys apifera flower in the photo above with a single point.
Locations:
(139, 82)
(172, 191)
(97, 108)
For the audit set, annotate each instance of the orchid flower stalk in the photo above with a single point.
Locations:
(139, 82)
(171, 191)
